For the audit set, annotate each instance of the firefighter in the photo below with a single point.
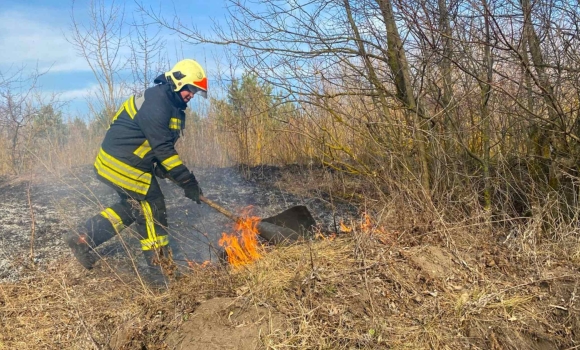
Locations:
(139, 144)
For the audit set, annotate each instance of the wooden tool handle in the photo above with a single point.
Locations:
(219, 208)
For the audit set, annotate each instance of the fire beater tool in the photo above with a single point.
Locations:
(290, 225)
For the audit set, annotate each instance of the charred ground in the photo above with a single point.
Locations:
(38, 211)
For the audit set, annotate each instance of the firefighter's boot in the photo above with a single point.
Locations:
(79, 244)
(154, 273)
(97, 231)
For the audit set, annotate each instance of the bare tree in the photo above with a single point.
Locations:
(20, 103)
(101, 41)
(448, 94)
(148, 52)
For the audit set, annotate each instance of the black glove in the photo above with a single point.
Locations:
(160, 172)
(192, 189)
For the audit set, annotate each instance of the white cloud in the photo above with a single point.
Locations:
(68, 95)
(26, 37)
(88, 93)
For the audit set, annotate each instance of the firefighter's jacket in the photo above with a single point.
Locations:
(143, 132)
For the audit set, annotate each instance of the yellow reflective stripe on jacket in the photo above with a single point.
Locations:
(171, 162)
(152, 241)
(120, 180)
(143, 149)
(124, 169)
(114, 218)
(121, 174)
(175, 123)
(121, 109)
(130, 107)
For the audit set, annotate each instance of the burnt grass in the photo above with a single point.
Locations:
(38, 211)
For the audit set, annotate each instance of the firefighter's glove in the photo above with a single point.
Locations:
(192, 190)
(160, 172)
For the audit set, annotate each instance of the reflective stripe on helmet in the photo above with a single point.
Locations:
(202, 84)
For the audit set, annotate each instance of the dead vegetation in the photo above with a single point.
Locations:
(367, 287)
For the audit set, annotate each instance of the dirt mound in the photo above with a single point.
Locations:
(223, 323)
(434, 261)
(219, 323)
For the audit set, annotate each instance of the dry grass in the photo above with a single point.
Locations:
(346, 293)
(63, 308)
(66, 307)
(364, 289)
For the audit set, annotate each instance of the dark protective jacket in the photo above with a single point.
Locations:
(144, 132)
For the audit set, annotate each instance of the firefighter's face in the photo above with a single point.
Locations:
(186, 95)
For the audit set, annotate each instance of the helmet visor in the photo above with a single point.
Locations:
(202, 93)
(196, 90)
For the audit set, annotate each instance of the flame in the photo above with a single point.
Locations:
(344, 228)
(192, 264)
(242, 247)
(367, 225)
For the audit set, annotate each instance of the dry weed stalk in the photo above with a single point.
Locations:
(32, 221)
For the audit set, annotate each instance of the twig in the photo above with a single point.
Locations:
(364, 268)
(32, 224)
(558, 307)
(493, 295)
(311, 257)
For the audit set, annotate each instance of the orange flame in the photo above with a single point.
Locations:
(242, 247)
(367, 225)
(344, 228)
(193, 265)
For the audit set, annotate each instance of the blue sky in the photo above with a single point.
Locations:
(33, 34)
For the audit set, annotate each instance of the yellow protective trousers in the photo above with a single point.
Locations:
(149, 216)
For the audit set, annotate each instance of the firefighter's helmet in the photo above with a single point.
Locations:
(188, 74)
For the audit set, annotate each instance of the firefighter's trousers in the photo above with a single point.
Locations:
(149, 215)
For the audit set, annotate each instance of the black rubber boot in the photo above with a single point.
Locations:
(97, 230)
(154, 275)
(79, 243)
